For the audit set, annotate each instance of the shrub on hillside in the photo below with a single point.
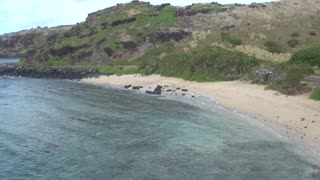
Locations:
(117, 69)
(55, 62)
(273, 47)
(290, 83)
(315, 94)
(147, 62)
(312, 33)
(295, 34)
(227, 38)
(310, 55)
(211, 7)
(208, 64)
(293, 43)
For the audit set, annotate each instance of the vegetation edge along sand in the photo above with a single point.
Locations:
(297, 116)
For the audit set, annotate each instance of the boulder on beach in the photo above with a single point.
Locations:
(156, 91)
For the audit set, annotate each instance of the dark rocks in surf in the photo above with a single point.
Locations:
(127, 86)
(156, 91)
(149, 92)
(137, 87)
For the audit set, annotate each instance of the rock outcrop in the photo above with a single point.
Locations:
(17, 44)
(156, 91)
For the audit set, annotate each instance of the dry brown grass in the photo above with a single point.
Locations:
(254, 26)
(257, 52)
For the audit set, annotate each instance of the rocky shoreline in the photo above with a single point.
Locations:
(48, 72)
(161, 90)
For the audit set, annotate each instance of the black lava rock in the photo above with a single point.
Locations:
(137, 87)
(127, 86)
(157, 90)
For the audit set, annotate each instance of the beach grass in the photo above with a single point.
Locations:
(315, 95)
(310, 55)
(117, 69)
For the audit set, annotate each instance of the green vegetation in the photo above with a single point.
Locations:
(209, 64)
(310, 55)
(315, 95)
(54, 62)
(117, 69)
(273, 47)
(211, 7)
(112, 35)
(72, 41)
(166, 17)
(227, 38)
(295, 34)
(147, 63)
(312, 33)
(293, 43)
(21, 62)
(290, 82)
(268, 87)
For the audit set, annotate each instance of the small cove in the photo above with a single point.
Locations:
(65, 130)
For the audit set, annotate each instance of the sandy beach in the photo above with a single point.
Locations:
(295, 117)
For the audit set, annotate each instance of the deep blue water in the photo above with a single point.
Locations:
(54, 129)
(9, 60)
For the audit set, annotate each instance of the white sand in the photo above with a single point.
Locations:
(297, 116)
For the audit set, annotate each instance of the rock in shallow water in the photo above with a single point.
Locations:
(127, 86)
(156, 91)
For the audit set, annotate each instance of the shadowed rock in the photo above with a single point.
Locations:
(123, 21)
(156, 91)
(127, 86)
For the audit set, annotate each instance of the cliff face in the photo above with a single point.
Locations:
(17, 44)
(127, 31)
(124, 31)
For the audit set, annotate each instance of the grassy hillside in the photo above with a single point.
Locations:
(18, 43)
(120, 32)
(269, 31)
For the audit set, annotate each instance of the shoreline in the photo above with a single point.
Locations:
(296, 118)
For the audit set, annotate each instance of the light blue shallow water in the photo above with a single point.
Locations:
(53, 129)
(9, 60)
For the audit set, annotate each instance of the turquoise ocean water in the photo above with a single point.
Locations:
(54, 129)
